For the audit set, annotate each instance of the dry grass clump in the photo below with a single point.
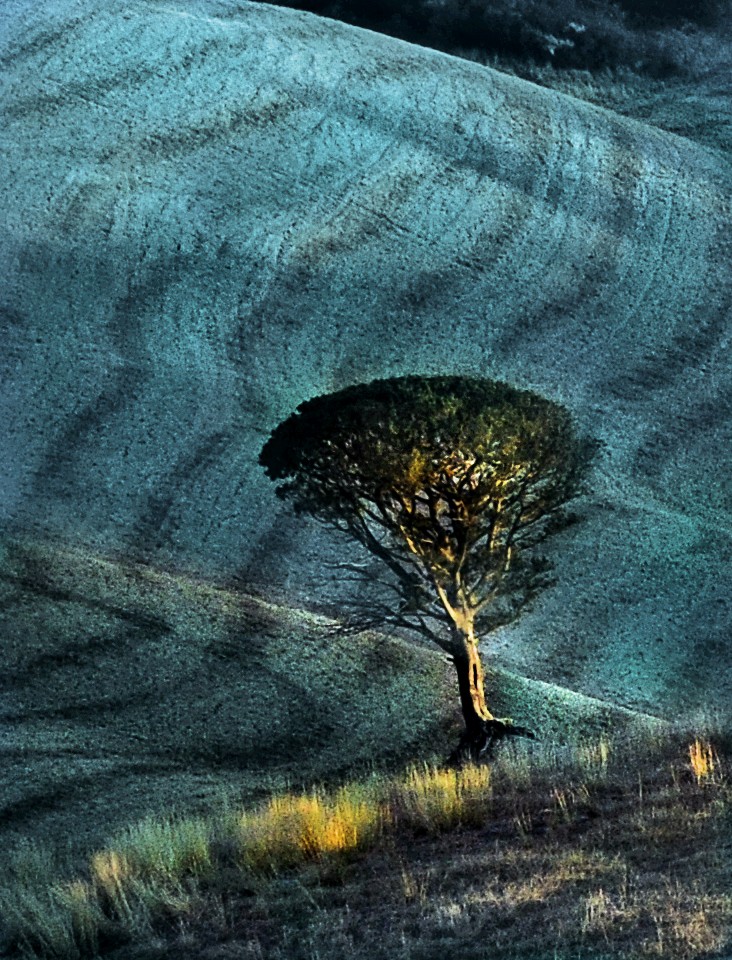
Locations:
(591, 851)
(167, 849)
(703, 760)
(433, 799)
(593, 757)
(45, 917)
(292, 828)
(40, 924)
(151, 870)
(149, 873)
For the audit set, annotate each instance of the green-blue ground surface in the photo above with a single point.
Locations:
(214, 211)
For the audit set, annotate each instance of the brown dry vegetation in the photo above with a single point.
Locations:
(606, 850)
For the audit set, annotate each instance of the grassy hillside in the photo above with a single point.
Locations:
(698, 109)
(128, 690)
(613, 849)
(666, 64)
(216, 210)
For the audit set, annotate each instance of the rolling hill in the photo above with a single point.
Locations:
(216, 210)
(128, 690)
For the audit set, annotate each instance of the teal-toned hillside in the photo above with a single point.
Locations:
(128, 691)
(211, 211)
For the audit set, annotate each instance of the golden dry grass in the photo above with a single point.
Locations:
(703, 759)
(593, 853)
(291, 829)
(435, 799)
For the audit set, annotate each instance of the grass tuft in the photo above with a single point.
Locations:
(80, 899)
(432, 799)
(593, 757)
(703, 760)
(291, 829)
(39, 924)
(166, 849)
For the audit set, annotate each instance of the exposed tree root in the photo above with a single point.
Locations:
(478, 744)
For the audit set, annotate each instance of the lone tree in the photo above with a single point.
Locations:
(451, 482)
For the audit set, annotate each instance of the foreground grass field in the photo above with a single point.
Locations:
(604, 850)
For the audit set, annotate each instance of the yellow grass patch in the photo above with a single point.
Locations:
(110, 870)
(703, 760)
(292, 828)
(437, 799)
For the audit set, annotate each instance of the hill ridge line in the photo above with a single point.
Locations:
(331, 23)
(138, 570)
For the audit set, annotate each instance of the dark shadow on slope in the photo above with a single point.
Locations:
(41, 802)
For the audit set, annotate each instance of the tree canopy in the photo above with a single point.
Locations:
(451, 482)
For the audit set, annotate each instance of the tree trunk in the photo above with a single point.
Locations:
(471, 685)
(482, 729)
(472, 695)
